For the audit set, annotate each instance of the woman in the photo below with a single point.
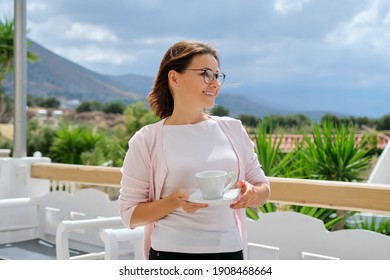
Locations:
(162, 159)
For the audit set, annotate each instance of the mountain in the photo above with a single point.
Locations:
(56, 76)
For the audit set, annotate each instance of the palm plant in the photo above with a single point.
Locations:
(7, 48)
(71, 142)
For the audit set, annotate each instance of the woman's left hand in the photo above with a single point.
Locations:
(249, 195)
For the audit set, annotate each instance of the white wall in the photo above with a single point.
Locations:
(15, 178)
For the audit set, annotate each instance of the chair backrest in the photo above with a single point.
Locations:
(83, 204)
(290, 235)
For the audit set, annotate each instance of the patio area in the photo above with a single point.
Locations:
(37, 177)
(49, 188)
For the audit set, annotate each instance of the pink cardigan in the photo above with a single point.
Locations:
(144, 170)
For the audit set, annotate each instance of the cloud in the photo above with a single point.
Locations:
(280, 41)
(368, 29)
(288, 6)
(89, 32)
(93, 54)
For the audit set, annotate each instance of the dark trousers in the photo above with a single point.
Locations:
(162, 255)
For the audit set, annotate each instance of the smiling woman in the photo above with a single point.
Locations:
(158, 175)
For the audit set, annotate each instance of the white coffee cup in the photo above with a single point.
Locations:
(212, 184)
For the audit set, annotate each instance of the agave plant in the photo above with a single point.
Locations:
(332, 154)
(380, 224)
(274, 162)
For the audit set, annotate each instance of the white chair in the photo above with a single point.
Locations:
(123, 243)
(57, 225)
(281, 236)
(290, 235)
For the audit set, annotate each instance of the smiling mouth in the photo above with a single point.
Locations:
(209, 93)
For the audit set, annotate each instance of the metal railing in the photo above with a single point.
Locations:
(327, 194)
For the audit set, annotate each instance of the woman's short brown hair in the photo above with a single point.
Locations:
(178, 57)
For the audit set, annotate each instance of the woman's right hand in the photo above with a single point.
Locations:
(189, 207)
(149, 212)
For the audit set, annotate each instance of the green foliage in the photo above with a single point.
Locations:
(249, 120)
(5, 144)
(379, 224)
(384, 123)
(39, 138)
(114, 107)
(71, 142)
(220, 111)
(138, 116)
(297, 121)
(349, 121)
(7, 48)
(89, 106)
(330, 154)
(273, 161)
(46, 102)
(76, 144)
(6, 106)
(333, 153)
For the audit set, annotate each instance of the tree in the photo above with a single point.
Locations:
(220, 111)
(7, 49)
(138, 116)
(114, 107)
(6, 106)
(39, 138)
(50, 102)
(249, 120)
(89, 106)
(384, 123)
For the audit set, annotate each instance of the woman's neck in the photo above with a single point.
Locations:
(185, 118)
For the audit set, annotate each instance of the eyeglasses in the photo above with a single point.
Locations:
(209, 76)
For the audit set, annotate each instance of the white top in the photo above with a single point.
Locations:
(189, 149)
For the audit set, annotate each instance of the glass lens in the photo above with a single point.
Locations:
(209, 76)
(221, 78)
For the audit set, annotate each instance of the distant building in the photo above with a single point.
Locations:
(70, 104)
(57, 113)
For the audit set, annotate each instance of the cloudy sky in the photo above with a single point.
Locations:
(343, 44)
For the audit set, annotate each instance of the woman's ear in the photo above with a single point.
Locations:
(173, 78)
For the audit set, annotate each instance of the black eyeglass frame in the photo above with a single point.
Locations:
(206, 77)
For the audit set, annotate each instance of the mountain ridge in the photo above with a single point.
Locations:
(56, 76)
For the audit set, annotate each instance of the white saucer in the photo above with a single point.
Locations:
(228, 196)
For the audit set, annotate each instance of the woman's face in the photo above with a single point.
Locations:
(191, 90)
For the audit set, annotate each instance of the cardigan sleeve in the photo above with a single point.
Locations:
(135, 183)
(253, 171)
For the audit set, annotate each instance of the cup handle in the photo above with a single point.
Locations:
(233, 178)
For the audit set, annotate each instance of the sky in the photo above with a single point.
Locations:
(342, 45)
